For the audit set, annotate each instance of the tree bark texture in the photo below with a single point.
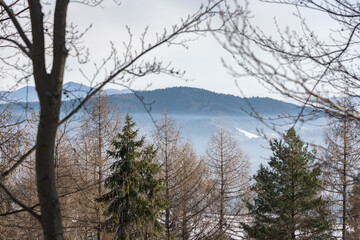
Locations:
(48, 87)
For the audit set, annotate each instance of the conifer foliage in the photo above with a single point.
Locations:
(135, 187)
(288, 204)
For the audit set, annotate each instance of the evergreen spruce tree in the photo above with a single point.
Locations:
(135, 188)
(288, 204)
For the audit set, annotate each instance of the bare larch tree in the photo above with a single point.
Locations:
(229, 168)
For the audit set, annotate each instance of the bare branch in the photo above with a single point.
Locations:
(17, 25)
(30, 210)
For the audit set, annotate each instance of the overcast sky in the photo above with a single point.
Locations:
(201, 61)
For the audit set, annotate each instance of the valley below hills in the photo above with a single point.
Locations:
(197, 112)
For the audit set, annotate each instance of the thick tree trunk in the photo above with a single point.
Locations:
(48, 87)
(45, 173)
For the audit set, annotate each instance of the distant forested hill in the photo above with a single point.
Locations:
(185, 100)
(198, 112)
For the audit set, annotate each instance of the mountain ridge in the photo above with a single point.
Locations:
(200, 101)
(198, 112)
(179, 100)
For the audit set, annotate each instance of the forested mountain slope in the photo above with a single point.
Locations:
(187, 100)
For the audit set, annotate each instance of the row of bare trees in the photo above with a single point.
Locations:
(80, 163)
(204, 194)
(207, 194)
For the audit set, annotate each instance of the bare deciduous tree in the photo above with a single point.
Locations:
(99, 127)
(340, 167)
(187, 190)
(229, 169)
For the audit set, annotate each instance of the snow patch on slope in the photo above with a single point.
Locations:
(247, 134)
